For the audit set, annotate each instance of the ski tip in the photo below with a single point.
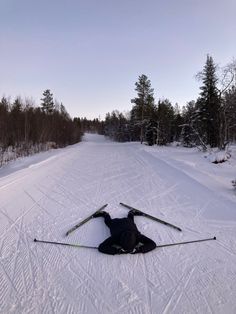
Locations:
(214, 238)
(35, 240)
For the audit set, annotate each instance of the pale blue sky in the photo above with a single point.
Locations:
(90, 53)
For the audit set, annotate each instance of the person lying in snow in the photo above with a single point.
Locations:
(125, 237)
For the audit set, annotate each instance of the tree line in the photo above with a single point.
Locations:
(209, 121)
(26, 129)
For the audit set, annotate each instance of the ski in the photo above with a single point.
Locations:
(151, 217)
(67, 244)
(186, 242)
(85, 220)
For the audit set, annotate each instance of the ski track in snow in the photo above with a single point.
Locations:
(45, 199)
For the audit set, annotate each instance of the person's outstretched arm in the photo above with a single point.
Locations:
(108, 248)
(148, 245)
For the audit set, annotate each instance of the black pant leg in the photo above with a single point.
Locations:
(107, 219)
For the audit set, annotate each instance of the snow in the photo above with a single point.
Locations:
(220, 156)
(43, 196)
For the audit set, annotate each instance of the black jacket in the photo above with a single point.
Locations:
(119, 225)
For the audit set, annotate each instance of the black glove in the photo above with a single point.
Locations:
(135, 212)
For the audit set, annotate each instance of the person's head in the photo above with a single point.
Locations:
(128, 240)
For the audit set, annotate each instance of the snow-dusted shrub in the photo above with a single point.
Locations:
(234, 183)
(22, 150)
(51, 145)
(176, 144)
(6, 154)
(218, 157)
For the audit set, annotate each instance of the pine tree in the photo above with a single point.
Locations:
(190, 128)
(209, 104)
(230, 114)
(165, 118)
(17, 122)
(151, 132)
(4, 123)
(144, 106)
(47, 102)
(177, 122)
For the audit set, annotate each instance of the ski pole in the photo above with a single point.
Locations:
(179, 243)
(93, 247)
(67, 244)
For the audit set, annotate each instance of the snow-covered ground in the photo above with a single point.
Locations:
(44, 195)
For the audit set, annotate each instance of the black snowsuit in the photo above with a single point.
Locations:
(119, 225)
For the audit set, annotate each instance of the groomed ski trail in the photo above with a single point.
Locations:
(47, 198)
